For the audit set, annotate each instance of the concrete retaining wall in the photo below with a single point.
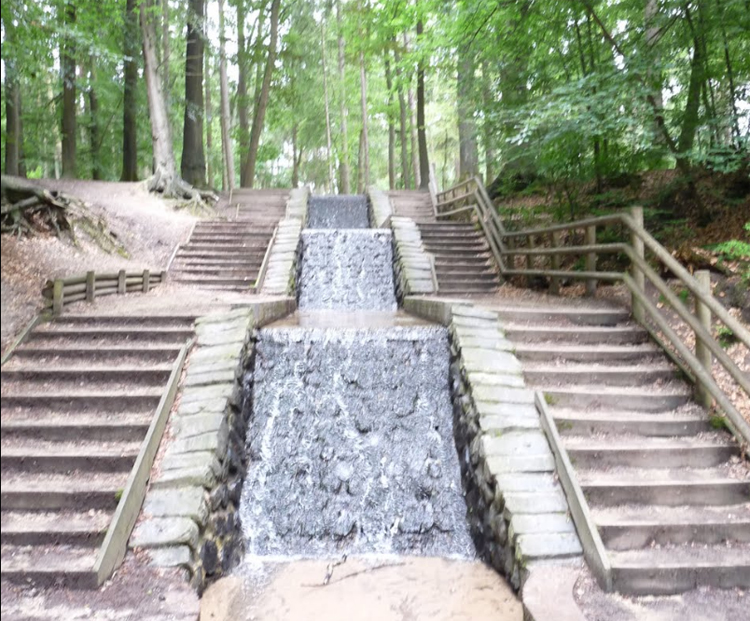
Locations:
(189, 517)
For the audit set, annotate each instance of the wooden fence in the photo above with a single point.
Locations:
(63, 291)
(542, 252)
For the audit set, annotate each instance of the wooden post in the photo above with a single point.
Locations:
(703, 313)
(510, 262)
(121, 282)
(591, 260)
(58, 296)
(530, 258)
(637, 275)
(90, 286)
(146, 281)
(554, 282)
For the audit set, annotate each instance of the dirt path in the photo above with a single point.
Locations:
(364, 589)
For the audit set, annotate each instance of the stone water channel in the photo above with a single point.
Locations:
(350, 445)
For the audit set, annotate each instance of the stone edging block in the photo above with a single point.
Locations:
(381, 209)
(190, 511)
(520, 512)
(413, 264)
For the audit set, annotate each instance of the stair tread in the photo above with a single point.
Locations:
(69, 482)
(48, 559)
(35, 419)
(624, 476)
(682, 556)
(17, 447)
(63, 522)
(643, 515)
(633, 442)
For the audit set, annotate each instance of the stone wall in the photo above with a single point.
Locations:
(283, 255)
(189, 517)
(381, 209)
(518, 511)
(412, 263)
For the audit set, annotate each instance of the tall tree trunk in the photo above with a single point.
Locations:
(209, 116)
(68, 66)
(165, 177)
(295, 161)
(94, 137)
(730, 80)
(165, 50)
(391, 126)
(13, 131)
(242, 101)
(193, 166)
(360, 163)
(488, 138)
(690, 118)
(327, 106)
(345, 181)
(129, 104)
(225, 115)
(405, 182)
(260, 110)
(467, 129)
(424, 164)
(412, 122)
(365, 142)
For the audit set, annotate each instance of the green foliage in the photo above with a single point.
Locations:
(725, 336)
(733, 250)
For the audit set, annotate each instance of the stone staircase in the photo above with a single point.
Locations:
(77, 399)
(463, 261)
(669, 493)
(228, 254)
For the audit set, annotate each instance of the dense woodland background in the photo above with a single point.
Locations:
(342, 93)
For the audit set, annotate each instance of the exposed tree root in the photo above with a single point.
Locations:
(28, 209)
(173, 186)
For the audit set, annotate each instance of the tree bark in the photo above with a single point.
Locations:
(242, 101)
(209, 115)
(129, 105)
(412, 122)
(488, 138)
(13, 131)
(260, 110)
(193, 163)
(424, 164)
(94, 137)
(467, 129)
(295, 161)
(165, 49)
(365, 142)
(344, 157)
(391, 126)
(68, 66)
(405, 181)
(690, 119)
(225, 116)
(327, 107)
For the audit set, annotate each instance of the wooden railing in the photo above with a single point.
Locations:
(264, 265)
(64, 291)
(544, 250)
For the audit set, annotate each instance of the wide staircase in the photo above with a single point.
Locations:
(463, 261)
(78, 397)
(228, 253)
(668, 491)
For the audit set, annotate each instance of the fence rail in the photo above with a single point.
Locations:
(542, 249)
(63, 291)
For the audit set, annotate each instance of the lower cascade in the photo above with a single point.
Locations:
(350, 444)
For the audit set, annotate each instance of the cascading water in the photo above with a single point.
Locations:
(350, 444)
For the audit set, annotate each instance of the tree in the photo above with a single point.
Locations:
(193, 166)
(345, 182)
(262, 99)
(225, 115)
(69, 113)
(129, 104)
(424, 165)
(13, 129)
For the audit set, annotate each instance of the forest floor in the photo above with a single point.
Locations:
(147, 227)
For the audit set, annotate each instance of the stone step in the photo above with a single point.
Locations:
(232, 228)
(247, 255)
(675, 569)
(213, 287)
(140, 321)
(647, 399)
(53, 333)
(252, 246)
(58, 566)
(469, 281)
(458, 289)
(647, 452)
(88, 356)
(56, 426)
(52, 492)
(26, 528)
(619, 375)
(111, 402)
(662, 486)
(448, 226)
(103, 389)
(639, 526)
(451, 252)
(450, 233)
(466, 274)
(664, 424)
(477, 244)
(209, 264)
(143, 376)
(560, 315)
(45, 456)
(608, 354)
(614, 335)
(478, 263)
(244, 282)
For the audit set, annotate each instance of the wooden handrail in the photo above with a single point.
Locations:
(499, 240)
(264, 264)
